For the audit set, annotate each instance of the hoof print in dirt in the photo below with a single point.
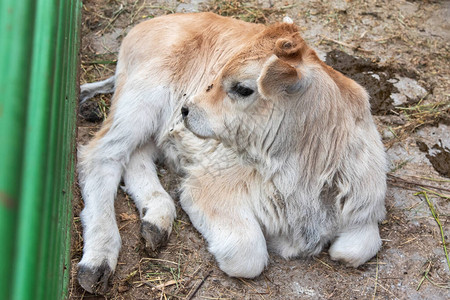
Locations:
(154, 237)
(438, 155)
(95, 281)
(387, 86)
(373, 78)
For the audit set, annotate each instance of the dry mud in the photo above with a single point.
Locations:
(399, 51)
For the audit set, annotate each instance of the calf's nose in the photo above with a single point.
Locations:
(184, 111)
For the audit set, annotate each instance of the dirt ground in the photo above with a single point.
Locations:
(398, 50)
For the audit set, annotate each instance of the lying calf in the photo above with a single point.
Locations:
(278, 151)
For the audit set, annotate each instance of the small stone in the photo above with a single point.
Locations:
(123, 288)
(408, 89)
(187, 8)
(392, 119)
(387, 134)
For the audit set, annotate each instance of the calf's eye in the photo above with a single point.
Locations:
(242, 90)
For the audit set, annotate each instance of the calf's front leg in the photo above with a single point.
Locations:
(224, 217)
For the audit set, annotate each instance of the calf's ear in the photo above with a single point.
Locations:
(278, 77)
(290, 49)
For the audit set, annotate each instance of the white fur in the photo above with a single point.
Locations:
(356, 245)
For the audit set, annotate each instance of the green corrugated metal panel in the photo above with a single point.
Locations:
(14, 78)
(39, 41)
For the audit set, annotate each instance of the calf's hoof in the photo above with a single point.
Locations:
(154, 237)
(95, 280)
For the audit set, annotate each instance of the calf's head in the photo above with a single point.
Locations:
(272, 94)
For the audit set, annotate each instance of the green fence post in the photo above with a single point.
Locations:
(15, 57)
(39, 43)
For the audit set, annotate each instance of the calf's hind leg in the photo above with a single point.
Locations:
(132, 122)
(156, 207)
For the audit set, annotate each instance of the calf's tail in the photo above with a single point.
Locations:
(89, 90)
